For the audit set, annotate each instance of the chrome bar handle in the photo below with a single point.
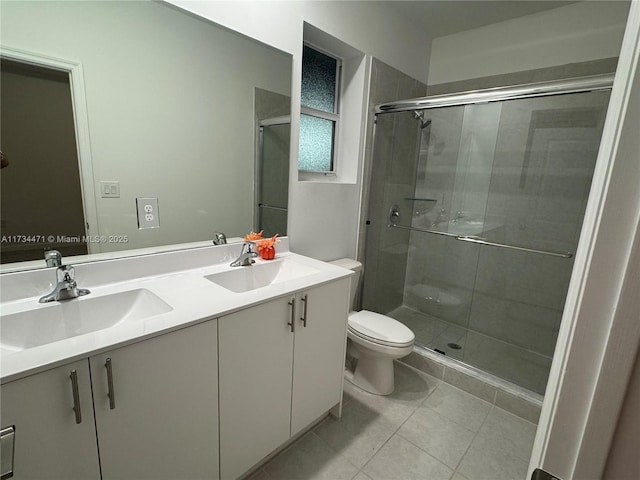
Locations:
(425, 230)
(482, 241)
(76, 396)
(304, 314)
(292, 323)
(111, 394)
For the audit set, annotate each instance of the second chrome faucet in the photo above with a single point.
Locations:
(66, 286)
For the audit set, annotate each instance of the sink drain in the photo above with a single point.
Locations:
(455, 346)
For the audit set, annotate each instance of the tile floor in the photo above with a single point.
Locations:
(426, 429)
(509, 362)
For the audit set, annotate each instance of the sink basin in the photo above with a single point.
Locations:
(244, 279)
(57, 321)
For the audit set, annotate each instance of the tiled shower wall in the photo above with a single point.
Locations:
(394, 155)
(540, 178)
(541, 163)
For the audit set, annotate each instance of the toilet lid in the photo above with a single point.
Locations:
(380, 329)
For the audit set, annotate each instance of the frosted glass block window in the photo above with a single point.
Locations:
(319, 80)
(316, 144)
(319, 111)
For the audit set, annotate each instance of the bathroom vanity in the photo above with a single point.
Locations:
(178, 366)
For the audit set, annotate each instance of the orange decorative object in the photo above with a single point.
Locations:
(266, 247)
(268, 253)
(253, 236)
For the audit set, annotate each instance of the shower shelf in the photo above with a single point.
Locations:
(483, 241)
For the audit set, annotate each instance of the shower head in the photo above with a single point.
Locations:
(418, 116)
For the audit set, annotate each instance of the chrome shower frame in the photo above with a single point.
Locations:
(500, 94)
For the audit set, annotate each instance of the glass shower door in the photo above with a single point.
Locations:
(273, 179)
(488, 201)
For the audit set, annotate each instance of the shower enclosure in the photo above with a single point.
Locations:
(272, 176)
(475, 211)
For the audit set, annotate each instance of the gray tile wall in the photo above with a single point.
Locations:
(390, 177)
(540, 178)
(545, 157)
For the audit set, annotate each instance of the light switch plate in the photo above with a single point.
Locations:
(148, 214)
(109, 189)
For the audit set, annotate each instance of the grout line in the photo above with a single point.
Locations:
(475, 434)
(453, 471)
(395, 432)
(518, 417)
(312, 431)
(473, 439)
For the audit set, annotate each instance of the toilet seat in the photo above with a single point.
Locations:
(380, 329)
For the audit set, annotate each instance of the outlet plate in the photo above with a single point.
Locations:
(110, 189)
(148, 214)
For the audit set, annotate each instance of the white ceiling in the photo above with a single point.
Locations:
(444, 17)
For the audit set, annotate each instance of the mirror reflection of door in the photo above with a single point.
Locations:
(39, 144)
(273, 176)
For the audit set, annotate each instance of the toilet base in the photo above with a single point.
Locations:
(374, 375)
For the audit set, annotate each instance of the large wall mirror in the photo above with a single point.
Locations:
(159, 104)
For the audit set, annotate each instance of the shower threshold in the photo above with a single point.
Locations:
(517, 368)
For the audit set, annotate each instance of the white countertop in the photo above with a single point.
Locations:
(192, 297)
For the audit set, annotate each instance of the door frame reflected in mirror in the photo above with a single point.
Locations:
(81, 124)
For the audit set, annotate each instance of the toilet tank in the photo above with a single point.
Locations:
(354, 266)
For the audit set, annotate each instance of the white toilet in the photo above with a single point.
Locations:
(375, 341)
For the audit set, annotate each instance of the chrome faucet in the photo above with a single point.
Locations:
(246, 255)
(66, 288)
(53, 258)
(220, 239)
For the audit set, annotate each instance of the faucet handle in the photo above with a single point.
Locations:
(65, 273)
(247, 247)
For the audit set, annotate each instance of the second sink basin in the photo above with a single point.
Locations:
(244, 279)
(60, 320)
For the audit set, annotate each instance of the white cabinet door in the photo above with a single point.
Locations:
(164, 420)
(318, 362)
(49, 443)
(256, 354)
